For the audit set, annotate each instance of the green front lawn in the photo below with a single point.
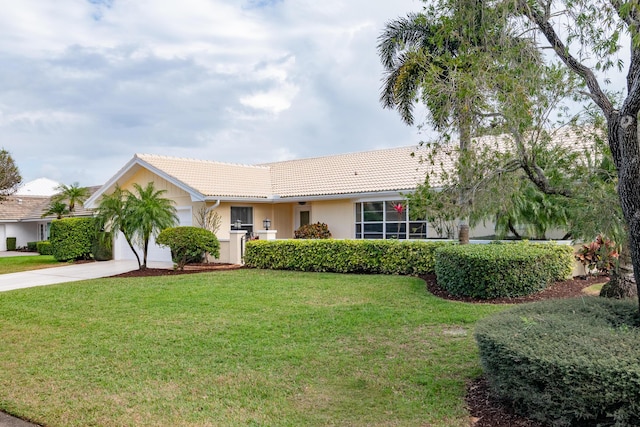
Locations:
(244, 347)
(16, 264)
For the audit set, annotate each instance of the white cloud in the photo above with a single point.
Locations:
(86, 84)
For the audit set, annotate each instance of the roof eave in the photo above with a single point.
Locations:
(92, 202)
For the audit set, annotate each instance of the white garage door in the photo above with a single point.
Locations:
(121, 249)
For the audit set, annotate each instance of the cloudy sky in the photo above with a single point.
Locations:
(85, 84)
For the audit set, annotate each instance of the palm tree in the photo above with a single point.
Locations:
(114, 215)
(438, 60)
(56, 208)
(148, 213)
(73, 194)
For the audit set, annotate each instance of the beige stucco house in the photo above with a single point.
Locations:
(352, 193)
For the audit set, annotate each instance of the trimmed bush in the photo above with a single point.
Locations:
(11, 243)
(72, 238)
(313, 231)
(189, 244)
(502, 270)
(32, 246)
(569, 362)
(44, 248)
(344, 256)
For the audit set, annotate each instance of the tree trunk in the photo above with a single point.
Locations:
(464, 125)
(623, 141)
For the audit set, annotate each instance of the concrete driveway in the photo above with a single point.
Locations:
(71, 273)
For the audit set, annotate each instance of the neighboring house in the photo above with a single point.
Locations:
(21, 213)
(352, 193)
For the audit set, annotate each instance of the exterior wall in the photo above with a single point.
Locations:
(339, 215)
(23, 232)
(283, 221)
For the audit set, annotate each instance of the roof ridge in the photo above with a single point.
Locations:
(142, 156)
(403, 147)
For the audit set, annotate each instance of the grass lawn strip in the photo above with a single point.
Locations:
(245, 347)
(16, 264)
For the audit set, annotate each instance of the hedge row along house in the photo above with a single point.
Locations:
(357, 194)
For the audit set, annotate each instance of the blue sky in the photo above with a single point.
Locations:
(85, 84)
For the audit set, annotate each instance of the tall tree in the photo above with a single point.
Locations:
(72, 194)
(148, 214)
(440, 59)
(10, 177)
(591, 42)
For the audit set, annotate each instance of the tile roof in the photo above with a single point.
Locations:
(214, 179)
(391, 169)
(386, 170)
(16, 208)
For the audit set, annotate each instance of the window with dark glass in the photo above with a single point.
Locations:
(245, 215)
(388, 220)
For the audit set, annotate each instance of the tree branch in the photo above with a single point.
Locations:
(596, 92)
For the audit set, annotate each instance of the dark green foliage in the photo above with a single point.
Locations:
(72, 238)
(313, 231)
(501, 270)
(566, 362)
(44, 248)
(344, 256)
(11, 243)
(32, 246)
(189, 244)
(102, 246)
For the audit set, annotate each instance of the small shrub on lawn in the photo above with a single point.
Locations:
(501, 270)
(189, 244)
(44, 248)
(313, 231)
(566, 362)
(32, 246)
(72, 238)
(600, 255)
(344, 256)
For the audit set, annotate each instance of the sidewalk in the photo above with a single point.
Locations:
(71, 273)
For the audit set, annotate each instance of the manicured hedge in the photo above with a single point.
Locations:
(344, 256)
(32, 246)
(72, 238)
(189, 244)
(566, 362)
(501, 270)
(44, 248)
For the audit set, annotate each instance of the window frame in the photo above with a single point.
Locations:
(368, 224)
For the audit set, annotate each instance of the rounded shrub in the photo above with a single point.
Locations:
(569, 362)
(44, 248)
(189, 244)
(72, 238)
(313, 231)
(501, 270)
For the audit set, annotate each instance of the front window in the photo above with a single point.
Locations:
(387, 220)
(245, 215)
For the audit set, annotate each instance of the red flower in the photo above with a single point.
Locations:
(399, 207)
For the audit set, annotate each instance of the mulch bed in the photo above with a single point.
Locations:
(485, 411)
(188, 269)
